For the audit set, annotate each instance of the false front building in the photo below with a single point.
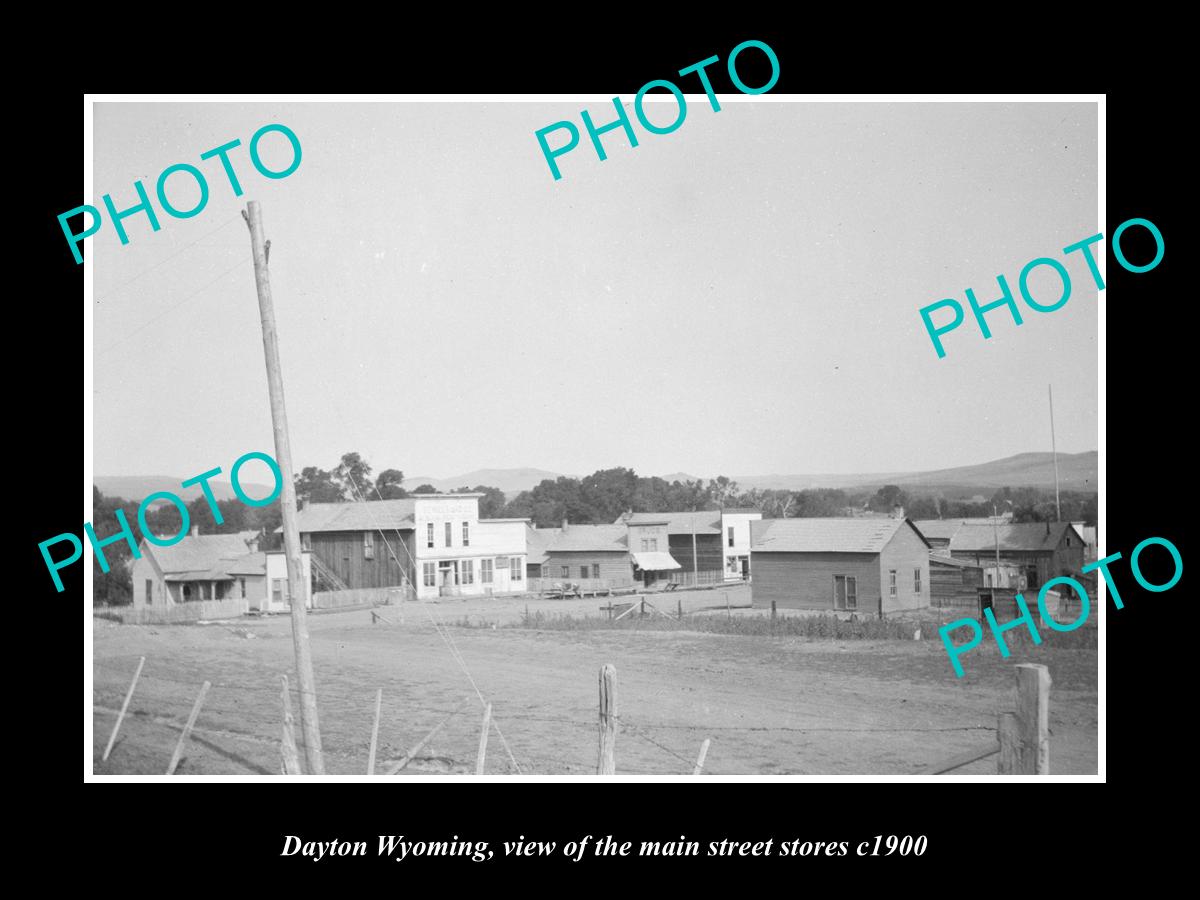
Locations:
(431, 545)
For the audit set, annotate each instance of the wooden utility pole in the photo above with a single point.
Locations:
(297, 586)
(1054, 450)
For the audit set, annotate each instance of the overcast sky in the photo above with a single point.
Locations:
(740, 296)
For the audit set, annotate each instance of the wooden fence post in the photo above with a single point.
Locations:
(374, 732)
(1033, 718)
(606, 764)
(679, 607)
(1009, 734)
(291, 756)
(772, 610)
(483, 738)
(700, 758)
(124, 706)
(727, 610)
(642, 612)
(187, 729)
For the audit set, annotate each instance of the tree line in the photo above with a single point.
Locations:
(598, 498)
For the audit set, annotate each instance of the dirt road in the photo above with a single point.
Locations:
(770, 705)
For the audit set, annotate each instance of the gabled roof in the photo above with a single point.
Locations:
(604, 538)
(536, 542)
(856, 535)
(212, 557)
(1028, 536)
(704, 522)
(369, 516)
(942, 529)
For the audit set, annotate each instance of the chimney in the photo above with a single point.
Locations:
(897, 511)
(1047, 528)
(301, 503)
(252, 542)
(195, 531)
(564, 527)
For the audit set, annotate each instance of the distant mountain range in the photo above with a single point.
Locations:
(135, 487)
(1076, 471)
(511, 481)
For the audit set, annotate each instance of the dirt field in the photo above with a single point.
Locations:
(770, 705)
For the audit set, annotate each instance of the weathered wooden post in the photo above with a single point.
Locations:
(374, 732)
(483, 739)
(728, 612)
(642, 611)
(772, 612)
(700, 758)
(1033, 718)
(187, 729)
(606, 764)
(1009, 734)
(124, 706)
(679, 608)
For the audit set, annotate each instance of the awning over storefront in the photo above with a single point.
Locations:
(655, 561)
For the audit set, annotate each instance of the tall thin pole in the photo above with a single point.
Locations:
(1054, 449)
(297, 586)
(996, 536)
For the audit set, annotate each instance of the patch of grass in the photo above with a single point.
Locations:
(919, 626)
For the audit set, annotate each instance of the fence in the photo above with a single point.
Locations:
(1022, 737)
(703, 578)
(382, 596)
(179, 612)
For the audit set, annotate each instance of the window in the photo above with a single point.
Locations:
(891, 582)
(150, 592)
(429, 534)
(653, 543)
(242, 587)
(466, 534)
(305, 541)
(731, 565)
(917, 581)
(278, 590)
(845, 592)
(566, 571)
(468, 571)
(515, 571)
(429, 570)
(645, 545)
(730, 535)
(368, 545)
(449, 534)
(485, 571)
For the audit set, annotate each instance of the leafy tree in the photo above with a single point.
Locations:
(353, 474)
(315, 485)
(114, 587)
(390, 485)
(887, 497)
(491, 504)
(425, 489)
(607, 493)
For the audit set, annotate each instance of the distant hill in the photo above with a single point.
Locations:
(511, 481)
(135, 487)
(1076, 472)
